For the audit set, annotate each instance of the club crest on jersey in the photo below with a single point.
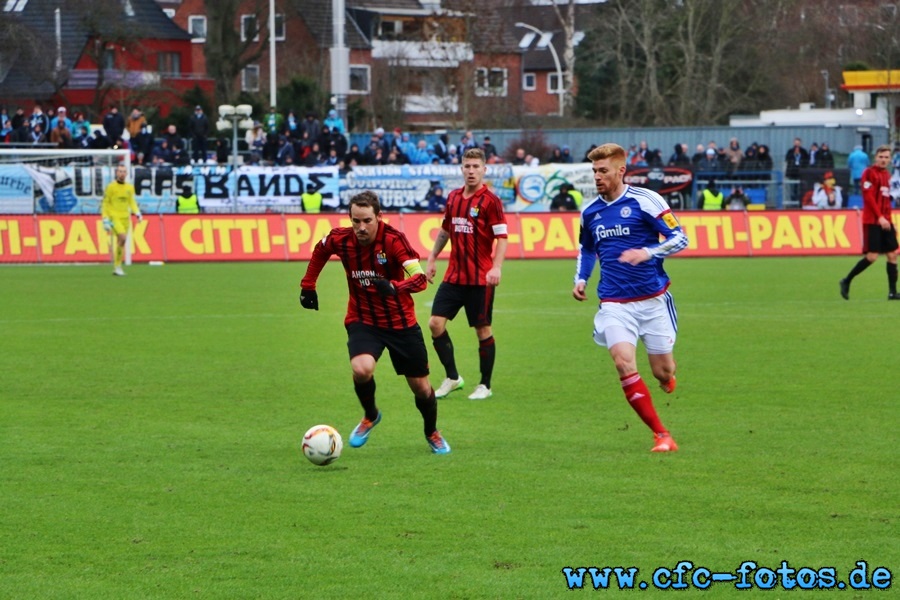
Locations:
(473, 212)
(381, 258)
(625, 212)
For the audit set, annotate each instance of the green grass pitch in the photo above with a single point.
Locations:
(150, 438)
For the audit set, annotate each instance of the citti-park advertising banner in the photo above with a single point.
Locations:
(41, 238)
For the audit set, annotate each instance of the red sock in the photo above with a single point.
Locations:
(638, 397)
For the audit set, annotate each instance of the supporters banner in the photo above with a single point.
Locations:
(263, 237)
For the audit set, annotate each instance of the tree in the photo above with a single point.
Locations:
(567, 21)
(226, 54)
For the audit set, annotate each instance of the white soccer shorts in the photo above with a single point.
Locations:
(654, 321)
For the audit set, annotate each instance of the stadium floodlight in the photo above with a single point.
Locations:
(238, 117)
(545, 40)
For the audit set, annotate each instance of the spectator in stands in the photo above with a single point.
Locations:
(61, 115)
(334, 122)
(135, 122)
(199, 128)
(354, 155)
(567, 157)
(293, 125)
(734, 155)
(142, 145)
(60, 135)
(555, 155)
(824, 157)
(82, 138)
(100, 141)
(312, 126)
(38, 118)
(737, 199)
(256, 141)
(813, 151)
(421, 155)
(315, 158)
(162, 154)
(490, 150)
(5, 127)
(639, 156)
(113, 123)
(452, 155)
(710, 162)
(519, 158)
(764, 159)
(437, 202)
(176, 145)
(699, 155)
(37, 135)
(466, 142)
(17, 119)
(407, 147)
(563, 200)
(857, 162)
(285, 155)
(679, 157)
(440, 148)
(222, 150)
(795, 159)
(827, 194)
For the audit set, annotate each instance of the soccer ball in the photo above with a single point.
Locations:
(322, 445)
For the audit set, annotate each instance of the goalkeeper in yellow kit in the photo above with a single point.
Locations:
(116, 209)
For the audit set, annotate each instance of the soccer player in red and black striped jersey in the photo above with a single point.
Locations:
(475, 226)
(879, 233)
(383, 272)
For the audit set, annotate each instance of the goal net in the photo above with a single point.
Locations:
(52, 180)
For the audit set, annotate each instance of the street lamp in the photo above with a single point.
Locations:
(827, 89)
(546, 39)
(238, 116)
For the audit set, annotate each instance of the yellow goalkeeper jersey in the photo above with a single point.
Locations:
(119, 201)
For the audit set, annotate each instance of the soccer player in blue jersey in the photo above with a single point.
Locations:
(622, 228)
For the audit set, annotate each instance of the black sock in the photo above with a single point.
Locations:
(487, 352)
(444, 348)
(366, 394)
(892, 277)
(428, 408)
(858, 268)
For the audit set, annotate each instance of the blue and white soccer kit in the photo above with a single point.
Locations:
(635, 302)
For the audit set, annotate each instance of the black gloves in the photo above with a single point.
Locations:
(384, 287)
(309, 299)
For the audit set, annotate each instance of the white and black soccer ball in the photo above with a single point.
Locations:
(322, 445)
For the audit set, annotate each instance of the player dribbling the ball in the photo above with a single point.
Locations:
(383, 272)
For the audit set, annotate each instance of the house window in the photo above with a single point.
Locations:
(359, 79)
(250, 78)
(197, 28)
(108, 59)
(169, 63)
(529, 82)
(14, 5)
(390, 30)
(249, 28)
(554, 84)
(490, 82)
(169, 12)
(280, 35)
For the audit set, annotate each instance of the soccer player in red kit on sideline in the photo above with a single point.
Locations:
(473, 221)
(879, 234)
(383, 272)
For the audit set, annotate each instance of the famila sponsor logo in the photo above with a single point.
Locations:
(619, 230)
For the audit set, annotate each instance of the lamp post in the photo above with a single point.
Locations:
(234, 116)
(827, 89)
(559, 72)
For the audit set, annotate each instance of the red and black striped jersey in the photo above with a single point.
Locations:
(387, 257)
(473, 224)
(876, 193)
